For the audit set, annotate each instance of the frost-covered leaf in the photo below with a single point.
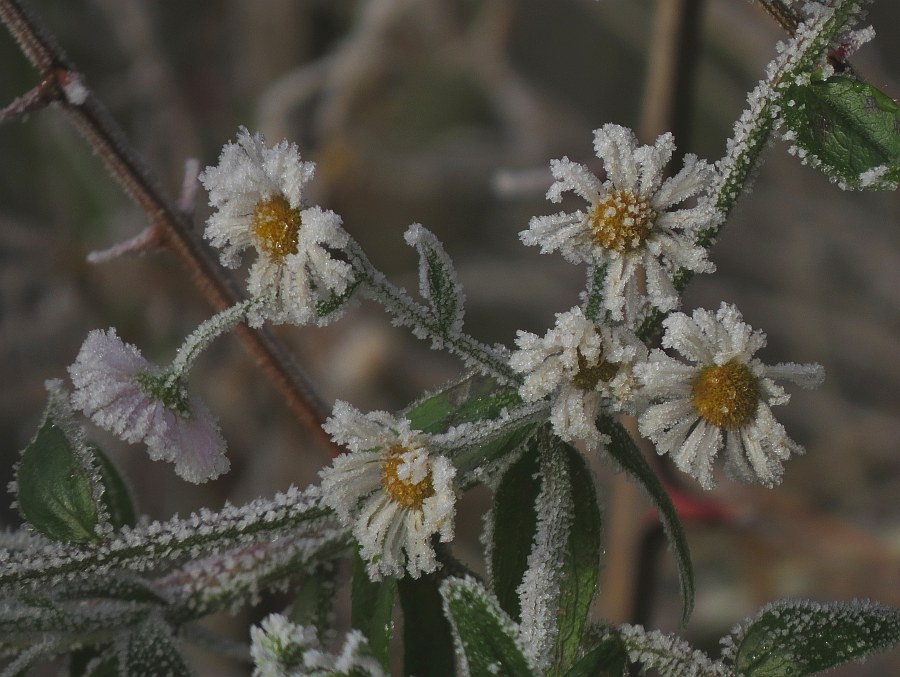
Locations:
(427, 636)
(474, 398)
(511, 530)
(797, 638)
(623, 449)
(487, 638)
(581, 560)
(314, 598)
(848, 128)
(94, 662)
(373, 606)
(57, 481)
(336, 303)
(606, 657)
(116, 495)
(151, 652)
(438, 282)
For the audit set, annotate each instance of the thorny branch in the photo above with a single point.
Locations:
(169, 226)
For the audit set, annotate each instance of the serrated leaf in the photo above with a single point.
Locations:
(151, 652)
(623, 449)
(116, 494)
(487, 636)
(847, 127)
(797, 638)
(438, 282)
(427, 636)
(581, 560)
(55, 493)
(372, 608)
(514, 521)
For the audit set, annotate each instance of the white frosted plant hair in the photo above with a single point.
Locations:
(131, 397)
(394, 491)
(583, 367)
(258, 196)
(630, 223)
(720, 397)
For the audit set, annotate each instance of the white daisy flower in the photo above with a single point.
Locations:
(280, 648)
(133, 398)
(584, 367)
(630, 221)
(394, 490)
(257, 192)
(721, 398)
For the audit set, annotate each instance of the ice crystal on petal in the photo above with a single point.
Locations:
(583, 367)
(257, 193)
(630, 222)
(721, 399)
(127, 395)
(280, 648)
(394, 491)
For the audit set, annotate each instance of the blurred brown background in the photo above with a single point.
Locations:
(446, 113)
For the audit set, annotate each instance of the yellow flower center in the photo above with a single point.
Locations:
(622, 221)
(589, 375)
(408, 495)
(276, 226)
(726, 395)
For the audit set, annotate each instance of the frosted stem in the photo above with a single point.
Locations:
(396, 301)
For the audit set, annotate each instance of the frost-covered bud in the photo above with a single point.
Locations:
(721, 397)
(280, 648)
(583, 367)
(630, 221)
(257, 193)
(133, 398)
(394, 491)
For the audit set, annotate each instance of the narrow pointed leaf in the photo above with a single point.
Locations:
(474, 398)
(151, 652)
(116, 494)
(581, 561)
(372, 608)
(513, 520)
(848, 128)
(427, 636)
(486, 635)
(797, 638)
(623, 449)
(314, 600)
(607, 657)
(438, 282)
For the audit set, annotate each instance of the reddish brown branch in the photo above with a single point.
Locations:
(62, 84)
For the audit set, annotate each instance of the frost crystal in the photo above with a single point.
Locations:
(127, 395)
(722, 398)
(585, 368)
(393, 490)
(257, 192)
(630, 222)
(283, 649)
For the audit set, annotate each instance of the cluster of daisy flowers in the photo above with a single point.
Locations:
(394, 489)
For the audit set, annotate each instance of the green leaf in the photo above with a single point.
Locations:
(846, 127)
(623, 449)
(488, 637)
(334, 302)
(797, 638)
(581, 560)
(474, 398)
(116, 495)
(314, 599)
(54, 481)
(427, 637)
(438, 282)
(373, 606)
(93, 661)
(607, 657)
(514, 520)
(151, 652)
